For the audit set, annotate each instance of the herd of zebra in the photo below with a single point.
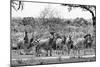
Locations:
(55, 42)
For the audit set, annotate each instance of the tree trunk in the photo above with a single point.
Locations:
(94, 21)
(26, 37)
(94, 25)
(26, 44)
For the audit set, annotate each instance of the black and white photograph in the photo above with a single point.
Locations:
(43, 33)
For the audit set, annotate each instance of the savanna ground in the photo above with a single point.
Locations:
(39, 28)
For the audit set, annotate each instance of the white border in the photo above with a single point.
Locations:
(5, 33)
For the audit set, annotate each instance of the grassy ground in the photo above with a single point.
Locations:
(50, 60)
(83, 56)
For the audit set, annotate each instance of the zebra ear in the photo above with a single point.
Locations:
(85, 36)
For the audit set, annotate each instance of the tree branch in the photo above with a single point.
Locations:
(86, 7)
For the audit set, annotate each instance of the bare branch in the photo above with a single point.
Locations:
(17, 5)
(84, 7)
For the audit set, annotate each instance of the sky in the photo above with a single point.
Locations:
(34, 9)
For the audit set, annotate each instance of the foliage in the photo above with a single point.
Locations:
(76, 27)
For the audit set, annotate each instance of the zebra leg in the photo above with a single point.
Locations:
(37, 51)
(50, 52)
